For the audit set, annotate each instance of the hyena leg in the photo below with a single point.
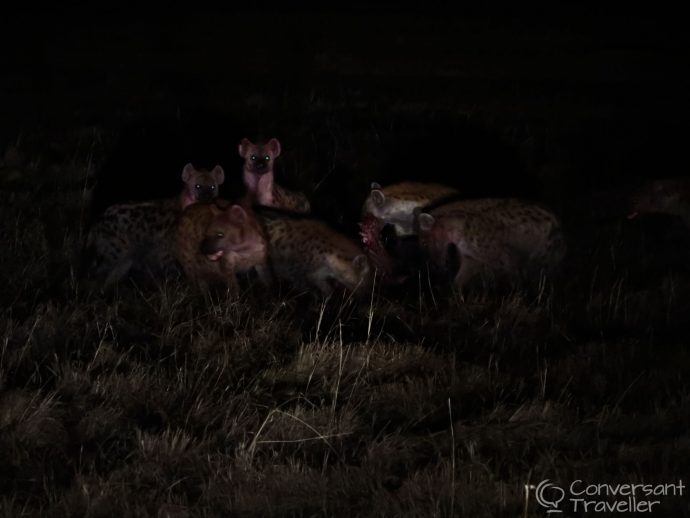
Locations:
(118, 271)
(323, 286)
(469, 267)
(228, 277)
(232, 286)
(264, 275)
(111, 261)
(163, 262)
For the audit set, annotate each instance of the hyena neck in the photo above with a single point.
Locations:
(260, 187)
(254, 246)
(186, 199)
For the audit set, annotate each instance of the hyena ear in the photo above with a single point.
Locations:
(378, 197)
(187, 173)
(274, 146)
(218, 174)
(426, 221)
(238, 214)
(244, 146)
(375, 185)
(360, 263)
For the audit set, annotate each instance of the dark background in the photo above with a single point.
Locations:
(553, 105)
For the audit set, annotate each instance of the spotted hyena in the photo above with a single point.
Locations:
(665, 196)
(215, 242)
(308, 254)
(200, 185)
(387, 226)
(136, 236)
(508, 238)
(301, 252)
(259, 178)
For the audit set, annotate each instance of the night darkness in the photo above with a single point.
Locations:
(155, 399)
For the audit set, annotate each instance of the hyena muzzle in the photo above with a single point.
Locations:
(214, 243)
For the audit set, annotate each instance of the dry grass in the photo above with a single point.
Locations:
(159, 401)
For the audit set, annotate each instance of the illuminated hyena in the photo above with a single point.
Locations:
(666, 196)
(215, 242)
(259, 178)
(307, 253)
(136, 236)
(304, 253)
(507, 238)
(388, 223)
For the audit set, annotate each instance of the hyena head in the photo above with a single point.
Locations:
(376, 205)
(376, 237)
(200, 185)
(375, 233)
(349, 275)
(396, 203)
(258, 158)
(232, 230)
(667, 196)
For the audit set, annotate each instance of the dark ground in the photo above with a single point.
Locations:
(158, 401)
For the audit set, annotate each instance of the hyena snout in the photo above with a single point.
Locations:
(210, 246)
(205, 192)
(259, 164)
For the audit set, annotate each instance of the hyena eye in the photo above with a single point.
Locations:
(253, 157)
(220, 234)
(267, 158)
(197, 186)
(213, 187)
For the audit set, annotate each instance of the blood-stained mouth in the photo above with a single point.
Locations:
(370, 232)
(215, 256)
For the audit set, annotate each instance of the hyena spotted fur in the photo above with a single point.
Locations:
(135, 237)
(260, 182)
(507, 238)
(307, 254)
